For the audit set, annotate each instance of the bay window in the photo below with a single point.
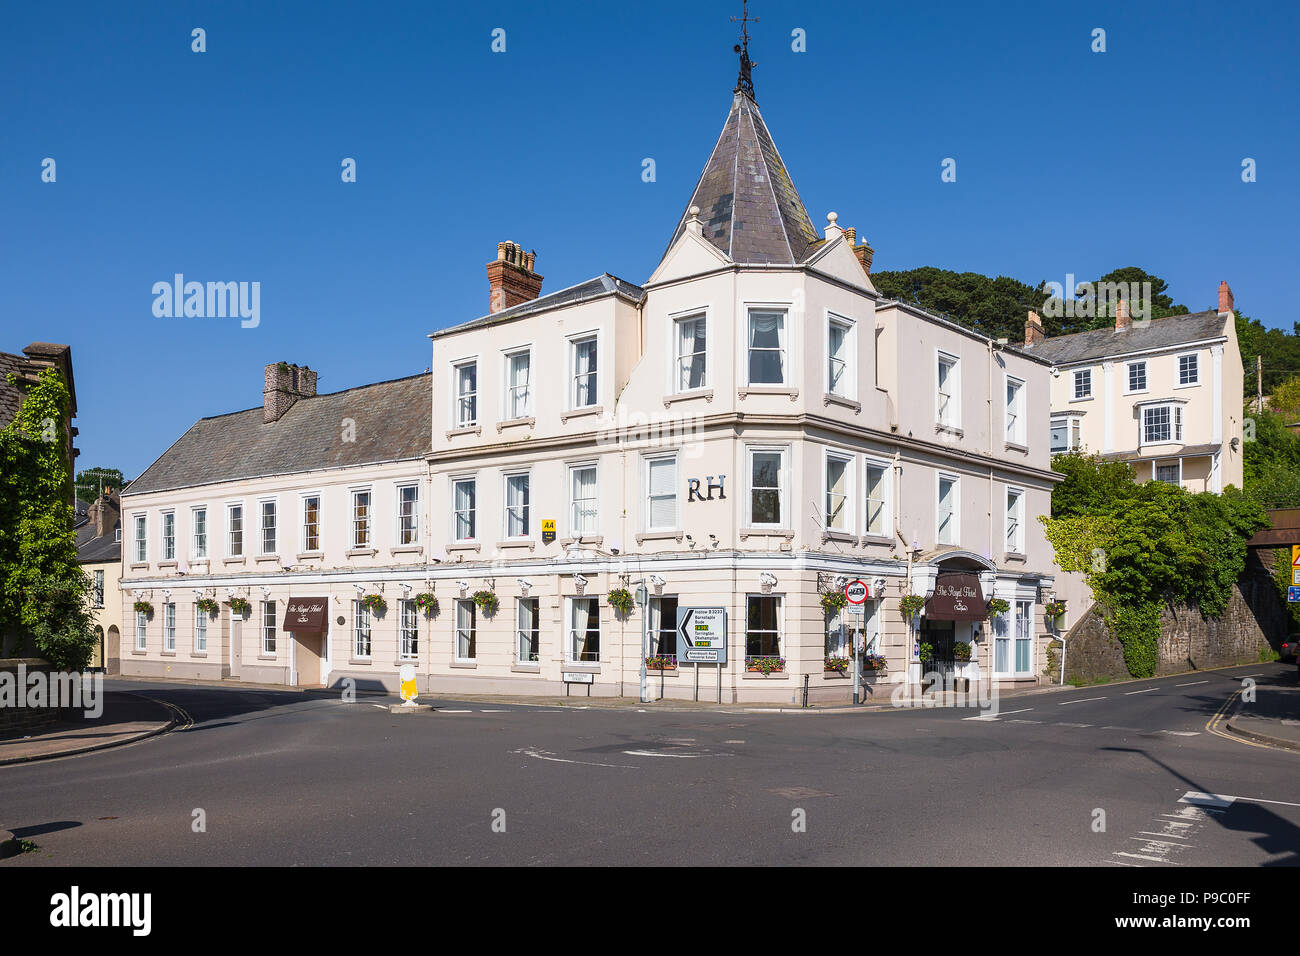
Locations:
(762, 625)
(767, 347)
(767, 487)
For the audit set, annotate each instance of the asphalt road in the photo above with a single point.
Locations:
(285, 779)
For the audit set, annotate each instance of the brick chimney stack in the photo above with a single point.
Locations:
(863, 251)
(284, 385)
(511, 279)
(104, 512)
(1123, 318)
(1225, 296)
(1034, 329)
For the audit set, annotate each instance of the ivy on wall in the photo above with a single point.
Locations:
(1142, 546)
(45, 597)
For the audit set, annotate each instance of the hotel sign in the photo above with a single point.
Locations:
(306, 615)
(957, 597)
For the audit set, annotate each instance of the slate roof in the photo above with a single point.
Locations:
(601, 285)
(392, 424)
(749, 206)
(1168, 332)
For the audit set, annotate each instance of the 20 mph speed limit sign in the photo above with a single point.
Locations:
(857, 592)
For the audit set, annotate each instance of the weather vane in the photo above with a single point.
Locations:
(745, 83)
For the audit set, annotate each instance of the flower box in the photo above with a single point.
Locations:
(765, 665)
(661, 662)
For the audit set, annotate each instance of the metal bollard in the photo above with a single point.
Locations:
(805, 690)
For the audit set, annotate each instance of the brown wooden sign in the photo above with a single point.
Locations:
(957, 597)
(306, 615)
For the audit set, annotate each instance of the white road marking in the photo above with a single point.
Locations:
(547, 755)
(458, 711)
(493, 711)
(1182, 733)
(1022, 720)
(1082, 700)
(1153, 859)
(1193, 683)
(1005, 713)
(733, 741)
(1149, 833)
(380, 706)
(1063, 723)
(1198, 799)
(655, 753)
(1147, 691)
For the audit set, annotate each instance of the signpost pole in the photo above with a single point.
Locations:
(697, 681)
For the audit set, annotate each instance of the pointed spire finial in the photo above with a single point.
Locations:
(745, 82)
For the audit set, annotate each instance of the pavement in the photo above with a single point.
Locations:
(126, 718)
(1127, 774)
(1272, 717)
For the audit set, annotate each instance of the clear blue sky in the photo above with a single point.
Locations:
(225, 165)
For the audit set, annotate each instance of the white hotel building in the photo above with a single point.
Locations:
(750, 427)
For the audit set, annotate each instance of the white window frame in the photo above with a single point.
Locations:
(1128, 377)
(270, 632)
(781, 648)
(1073, 430)
(785, 347)
(140, 538)
(169, 628)
(509, 412)
(887, 492)
(473, 510)
(362, 630)
(520, 604)
(953, 419)
(261, 525)
(570, 468)
(230, 531)
(507, 508)
(198, 540)
(400, 535)
(408, 630)
(676, 319)
(850, 490)
(458, 417)
(1014, 544)
(783, 488)
(97, 586)
(1175, 410)
(467, 604)
(1087, 394)
(1178, 369)
(572, 343)
(303, 498)
(648, 463)
(141, 630)
(1014, 411)
(570, 632)
(955, 521)
(1024, 622)
(167, 542)
(200, 630)
(354, 528)
(849, 387)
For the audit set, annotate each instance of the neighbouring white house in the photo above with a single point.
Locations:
(750, 428)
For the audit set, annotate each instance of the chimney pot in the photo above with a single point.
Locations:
(512, 279)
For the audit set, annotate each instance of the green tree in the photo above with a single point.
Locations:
(89, 481)
(44, 595)
(1090, 485)
(1284, 400)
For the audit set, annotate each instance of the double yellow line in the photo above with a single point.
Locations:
(1213, 727)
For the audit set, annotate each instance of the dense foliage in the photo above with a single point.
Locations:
(45, 601)
(1271, 461)
(1141, 546)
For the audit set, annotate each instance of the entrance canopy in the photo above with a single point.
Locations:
(957, 597)
(306, 615)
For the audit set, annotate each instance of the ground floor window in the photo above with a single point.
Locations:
(529, 630)
(1013, 639)
(268, 627)
(141, 629)
(169, 627)
(584, 630)
(663, 626)
(1024, 637)
(360, 630)
(200, 630)
(410, 624)
(762, 626)
(858, 630)
(466, 630)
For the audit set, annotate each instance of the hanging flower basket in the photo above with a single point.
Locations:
(874, 662)
(837, 664)
(661, 662)
(487, 602)
(997, 606)
(240, 606)
(143, 606)
(208, 606)
(765, 665)
(1055, 610)
(620, 599)
(911, 605)
(427, 602)
(374, 603)
(833, 601)
(961, 652)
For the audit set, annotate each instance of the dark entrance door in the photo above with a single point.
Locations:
(940, 635)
